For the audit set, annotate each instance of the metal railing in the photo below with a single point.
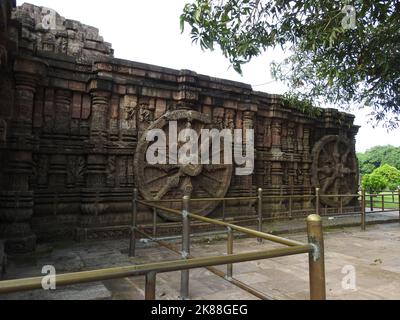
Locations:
(312, 221)
(261, 199)
(314, 248)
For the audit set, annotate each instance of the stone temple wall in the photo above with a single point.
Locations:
(72, 120)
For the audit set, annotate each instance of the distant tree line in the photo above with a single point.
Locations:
(380, 168)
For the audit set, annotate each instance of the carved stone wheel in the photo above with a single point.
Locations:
(335, 169)
(173, 181)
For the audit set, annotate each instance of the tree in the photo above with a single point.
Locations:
(339, 54)
(391, 174)
(374, 183)
(378, 156)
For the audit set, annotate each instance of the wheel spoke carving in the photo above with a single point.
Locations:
(160, 182)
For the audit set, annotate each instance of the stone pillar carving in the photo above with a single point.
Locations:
(97, 152)
(62, 121)
(16, 201)
(188, 95)
(276, 135)
(101, 94)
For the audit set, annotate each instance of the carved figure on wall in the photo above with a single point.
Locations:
(130, 112)
(230, 120)
(145, 114)
(218, 119)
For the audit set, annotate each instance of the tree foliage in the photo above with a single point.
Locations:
(328, 62)
(374, 183)
(391, 174)
(385, 177)
(378, 156)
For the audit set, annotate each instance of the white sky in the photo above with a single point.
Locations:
(148, 31)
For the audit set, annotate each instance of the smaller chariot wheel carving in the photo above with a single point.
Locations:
(173, 181)
(335, 170)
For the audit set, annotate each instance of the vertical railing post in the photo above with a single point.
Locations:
(229, 267)
(150, 289)
(316, 258)
(154, 222)
(398, 201)
(383, 203)
(223, 210)
(341, 204)
(185, 247)
(132, 241)
(260, 216)
(363, 214)
(371, 201)
(317, 200)
(290, 207)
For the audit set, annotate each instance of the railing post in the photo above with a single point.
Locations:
(317, 200)
(316, 258)
(229, 267)
(363, 216)
(154, 222)
(132, 242)
(260, 216)
(290, 207)
(383, 203)
(371, 201)
(223, 210)
(398, 201)
(150, 289)
(185, 247)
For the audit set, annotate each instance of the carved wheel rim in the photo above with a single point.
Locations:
(161, 182)
(334, 170)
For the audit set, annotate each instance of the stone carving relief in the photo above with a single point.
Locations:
(230, 120)
(3, 130)
(111, 170)
(334, 169)
(145, 114)
(157, 182)
(129, 112)
(76, 170)
(218, 119)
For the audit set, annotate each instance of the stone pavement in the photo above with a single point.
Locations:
(375, 254)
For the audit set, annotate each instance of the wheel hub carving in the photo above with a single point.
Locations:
(335, 169)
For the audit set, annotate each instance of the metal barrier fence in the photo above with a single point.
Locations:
(261, 212)
(314, 248)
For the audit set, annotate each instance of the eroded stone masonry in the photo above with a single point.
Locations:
(71, 121)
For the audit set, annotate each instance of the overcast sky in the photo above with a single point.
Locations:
(148, 31)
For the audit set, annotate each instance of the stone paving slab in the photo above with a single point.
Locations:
(375, 254)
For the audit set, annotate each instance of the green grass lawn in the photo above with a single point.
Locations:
(388, 201)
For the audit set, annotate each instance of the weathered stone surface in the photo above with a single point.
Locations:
(73, 118)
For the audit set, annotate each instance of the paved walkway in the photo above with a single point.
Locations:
(375, 255)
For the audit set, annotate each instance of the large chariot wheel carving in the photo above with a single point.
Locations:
(173, 181)
(335, 169)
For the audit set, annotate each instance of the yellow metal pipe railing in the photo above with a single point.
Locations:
(27, 284)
